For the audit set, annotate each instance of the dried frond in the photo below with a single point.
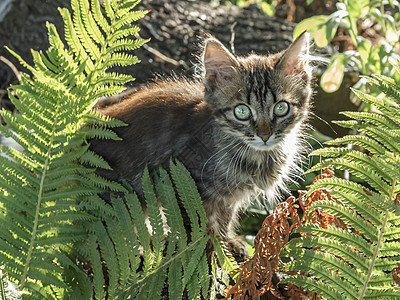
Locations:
(256, 275)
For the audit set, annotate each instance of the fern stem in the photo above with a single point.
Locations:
(39, 201)
(173, 258)
(371, 267)
(100, 62)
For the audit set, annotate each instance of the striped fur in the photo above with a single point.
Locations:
(194, 121)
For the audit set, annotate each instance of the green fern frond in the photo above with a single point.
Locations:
(386, 84)
(175, 286)
(329, 261)
(114, 78)
(374, 119)
(128, 31)
(345, 288)
(105, 90)
(120, 60)
(367, 258)
(166, 194)
(8, 289)
(142, 231)
(156, 222)
(340, 185)
(380, 103)
(187, 189)
(339, 235)
(40, 187)
(358, 168)
(387, 293)
(142, 273)
(363, 141)
(93, 117)
(385, 137)
(392, 232)
(94, 257)
(100, 133)
(390, 249)
(333, 246)
(193, 264)
(386, 264)
(381, 281)
(347, 215)
(321, 288)
(357, 157)
(129, 17)
(93, 159)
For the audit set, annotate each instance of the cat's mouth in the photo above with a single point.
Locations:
(258, 144)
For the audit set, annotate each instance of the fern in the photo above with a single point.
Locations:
(59, 239)
(358, 262)
(39, 213)
(137, 263)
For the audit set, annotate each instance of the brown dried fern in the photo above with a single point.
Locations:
(256, 274)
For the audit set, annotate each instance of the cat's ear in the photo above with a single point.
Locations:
(219, 64)
(295, 61)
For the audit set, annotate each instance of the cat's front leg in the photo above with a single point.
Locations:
(223, 220)
(237, 247)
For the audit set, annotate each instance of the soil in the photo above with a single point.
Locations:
(175, 28)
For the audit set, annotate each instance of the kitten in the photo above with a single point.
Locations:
(237, 129)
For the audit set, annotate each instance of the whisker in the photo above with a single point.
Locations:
(211, 157)
(326, 122)
(232, 143)
(241, 155)
(229, 165)
(238, 163)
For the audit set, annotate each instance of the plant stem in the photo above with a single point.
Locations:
(203, 238)
(382, 8)
(371, 266)
(39, 201)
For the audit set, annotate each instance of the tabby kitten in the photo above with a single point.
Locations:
(237, 128)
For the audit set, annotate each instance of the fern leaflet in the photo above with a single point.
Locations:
(39, 188)
(365, 254)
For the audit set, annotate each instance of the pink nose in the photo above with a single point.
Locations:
(264, 136)
(264, 131)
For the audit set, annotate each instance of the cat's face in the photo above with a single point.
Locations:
(260, 100)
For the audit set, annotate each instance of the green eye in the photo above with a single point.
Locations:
(242, 112)
(281, 109)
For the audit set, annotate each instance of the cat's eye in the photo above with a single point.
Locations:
(281, 109)
(242, 112)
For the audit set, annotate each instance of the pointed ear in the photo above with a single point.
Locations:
(219, 64)
(295, 61)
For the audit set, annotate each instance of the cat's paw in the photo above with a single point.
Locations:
(237, 247)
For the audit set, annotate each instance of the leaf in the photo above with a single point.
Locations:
(154, 217)
(193, 263)
(333, 76)
(309, 23)
(321, 288)
(355, 231)
(40, 188)
(175, 285)
(354, 8)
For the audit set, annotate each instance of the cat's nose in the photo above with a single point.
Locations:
(264, 132)
(264, 137)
